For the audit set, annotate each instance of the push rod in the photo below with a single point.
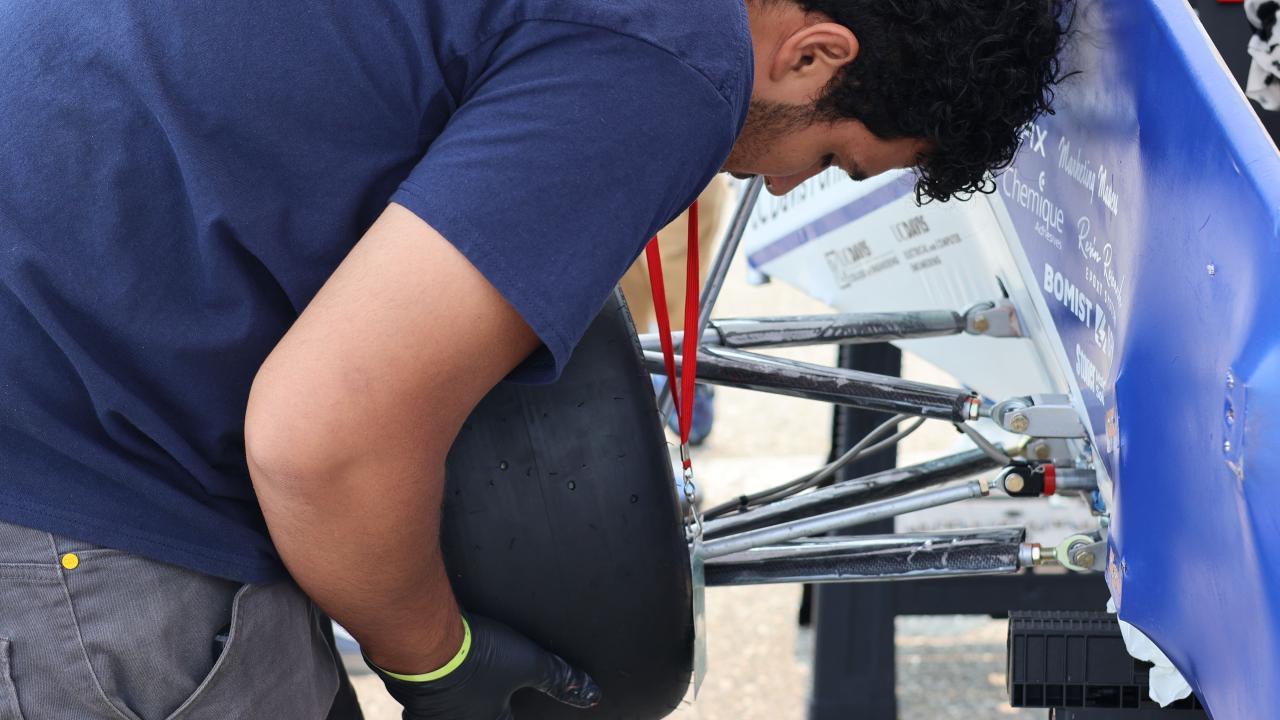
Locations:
(867, 391)
(799, 331)
(890, 483)
(840, 519)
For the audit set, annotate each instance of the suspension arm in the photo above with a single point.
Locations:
(875, 557)
(867, 391)
(887, 484)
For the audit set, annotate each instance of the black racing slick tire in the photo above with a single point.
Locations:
(561, 519)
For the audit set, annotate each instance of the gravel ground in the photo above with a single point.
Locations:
(948, 667)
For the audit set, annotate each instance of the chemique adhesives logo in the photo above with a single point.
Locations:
(1050, 217)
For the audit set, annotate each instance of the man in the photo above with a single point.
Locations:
(294, 243)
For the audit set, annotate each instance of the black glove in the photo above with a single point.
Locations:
(499, 662)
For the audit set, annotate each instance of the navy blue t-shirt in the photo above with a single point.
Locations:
(177, 180)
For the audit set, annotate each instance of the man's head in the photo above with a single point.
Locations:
(945, 86)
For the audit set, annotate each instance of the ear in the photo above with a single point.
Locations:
(809, 58)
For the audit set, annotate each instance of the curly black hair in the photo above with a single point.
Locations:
(966, 76)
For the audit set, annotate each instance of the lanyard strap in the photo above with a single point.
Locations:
(682, 384)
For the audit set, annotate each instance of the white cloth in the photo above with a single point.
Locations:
(1167, 685)
(1264, 76)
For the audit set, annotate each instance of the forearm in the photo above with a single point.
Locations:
(362, 542)
(348, 424)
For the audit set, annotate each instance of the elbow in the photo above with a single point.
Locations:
(308, 438)
(315, 430)
(291, 451)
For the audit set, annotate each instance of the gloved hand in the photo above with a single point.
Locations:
(498, 662)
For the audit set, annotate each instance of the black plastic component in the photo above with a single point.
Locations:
(1078, 660)
(561, 520)
(1033, 476)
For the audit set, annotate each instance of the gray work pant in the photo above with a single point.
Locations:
(89, 632)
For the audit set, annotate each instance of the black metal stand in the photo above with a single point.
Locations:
(853, 664)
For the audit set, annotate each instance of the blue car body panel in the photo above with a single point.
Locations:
(1148, 208)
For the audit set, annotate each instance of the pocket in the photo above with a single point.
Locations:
(146, 628)
(229, 643)
(9, 709)
(275, 663)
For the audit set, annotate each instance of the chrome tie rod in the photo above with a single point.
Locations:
(842, 519)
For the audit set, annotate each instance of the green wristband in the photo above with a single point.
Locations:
(448, 667)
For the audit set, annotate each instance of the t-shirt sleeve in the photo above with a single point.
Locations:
(573, 147)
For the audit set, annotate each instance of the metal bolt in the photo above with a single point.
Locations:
(982, 324)
(1226, 446)
(1041, 450)
(1019, 423)
(1231, 380)
(1085, 559)
(1014, 483)
(1213, 269)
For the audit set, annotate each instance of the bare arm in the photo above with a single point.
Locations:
(349, 422)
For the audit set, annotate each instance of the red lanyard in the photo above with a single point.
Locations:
(682, 396)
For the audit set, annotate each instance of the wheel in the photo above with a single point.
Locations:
(561, 519)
